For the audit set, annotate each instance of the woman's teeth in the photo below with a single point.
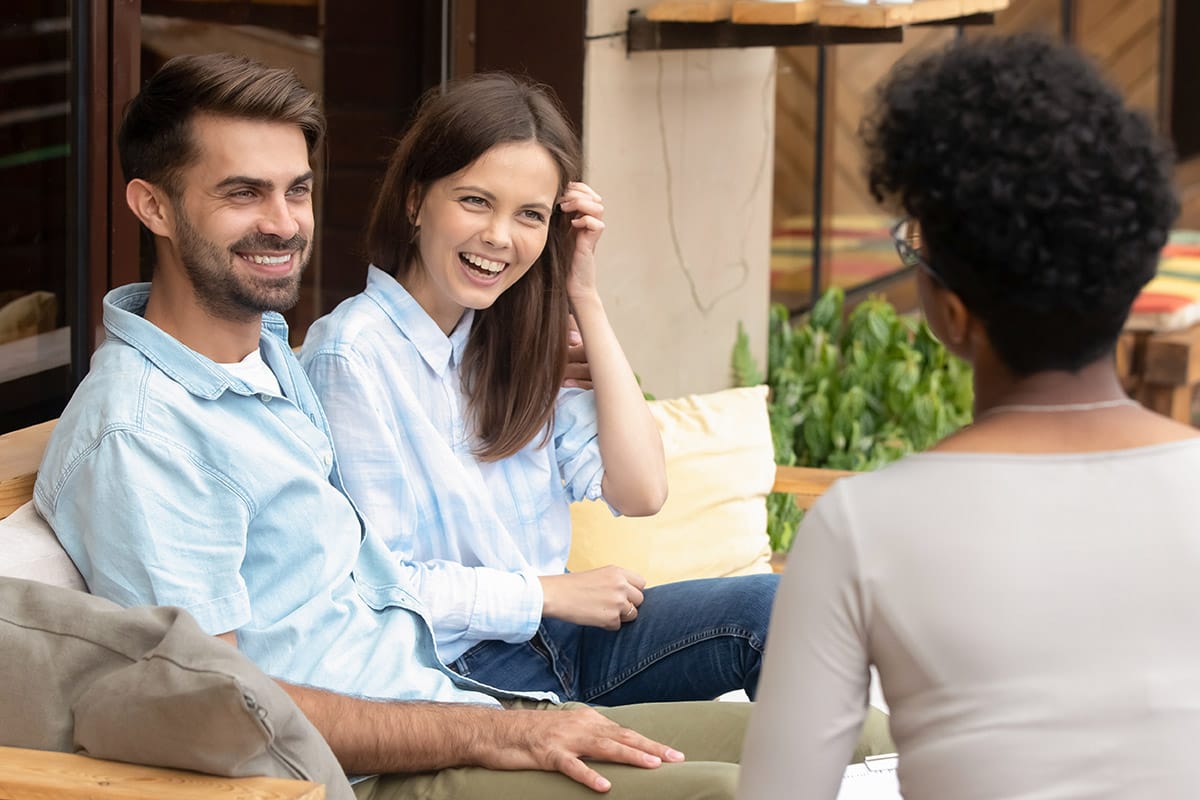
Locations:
(482, 263)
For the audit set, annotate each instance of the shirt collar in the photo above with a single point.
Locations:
(439, 351)
(124, 310)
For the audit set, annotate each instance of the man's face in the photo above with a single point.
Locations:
(244, 217)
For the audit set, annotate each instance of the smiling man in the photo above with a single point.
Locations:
(194, 468)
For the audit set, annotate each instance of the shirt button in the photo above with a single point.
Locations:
(266, 398)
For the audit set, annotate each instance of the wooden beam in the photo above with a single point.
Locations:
(40, 775)
(648, 35)
(806, 483)
(888, 15)
(763, 12)
(690, 10)
(20, 453)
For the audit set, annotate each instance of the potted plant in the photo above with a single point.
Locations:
(852, 392)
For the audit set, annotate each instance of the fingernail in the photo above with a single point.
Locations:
(653, 761)
(603, 784)
(674, 755)
(574, 338)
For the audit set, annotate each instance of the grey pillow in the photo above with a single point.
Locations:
(146, 686)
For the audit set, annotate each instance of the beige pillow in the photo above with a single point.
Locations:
(720, 467)
(27, 315)
(147, 686)
(29, 549)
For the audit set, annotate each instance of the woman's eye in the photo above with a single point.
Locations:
(474, 201)
(535, 216)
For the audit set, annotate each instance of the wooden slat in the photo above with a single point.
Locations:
(41, 775)
(1173, 359)
(690, 10)
(758, 12)
(806, 483)
(20, 454)
(890, 15)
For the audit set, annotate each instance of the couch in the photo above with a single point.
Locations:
(719, 466)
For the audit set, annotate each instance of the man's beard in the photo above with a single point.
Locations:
(226, 292)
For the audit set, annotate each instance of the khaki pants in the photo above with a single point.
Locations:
(708, 733)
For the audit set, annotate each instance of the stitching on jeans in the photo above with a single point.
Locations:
(695, 638)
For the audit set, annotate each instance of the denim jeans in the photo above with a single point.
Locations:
(691, 640)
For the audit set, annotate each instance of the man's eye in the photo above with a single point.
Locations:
(300, 191)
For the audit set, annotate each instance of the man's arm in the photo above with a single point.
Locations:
(374, 736)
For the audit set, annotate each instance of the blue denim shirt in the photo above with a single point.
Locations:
(171, 482)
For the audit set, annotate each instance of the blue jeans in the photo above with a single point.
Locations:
(691, 640)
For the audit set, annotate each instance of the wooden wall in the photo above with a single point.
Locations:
(1123, 35)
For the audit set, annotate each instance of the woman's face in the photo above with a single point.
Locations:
(481, 229)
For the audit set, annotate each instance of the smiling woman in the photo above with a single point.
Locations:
(463, 439)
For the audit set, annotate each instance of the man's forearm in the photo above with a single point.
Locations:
(369, 736)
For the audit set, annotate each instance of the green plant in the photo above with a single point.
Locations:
(852, 392)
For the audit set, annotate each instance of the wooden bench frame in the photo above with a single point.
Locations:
(35, 774)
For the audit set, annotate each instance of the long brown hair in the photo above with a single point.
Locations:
(516, 356)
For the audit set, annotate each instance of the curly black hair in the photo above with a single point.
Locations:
(1042, 200)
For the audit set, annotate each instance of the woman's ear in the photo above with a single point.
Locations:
(150, 205)
(412, 207)
(957, 319)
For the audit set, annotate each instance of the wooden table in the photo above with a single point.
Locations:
(1162, 370)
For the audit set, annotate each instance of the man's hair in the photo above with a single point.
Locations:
(1042, 200)
(516, 356)
(155, 142)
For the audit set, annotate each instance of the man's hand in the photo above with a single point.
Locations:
(558, 741)
(605, 598)
(579, 373)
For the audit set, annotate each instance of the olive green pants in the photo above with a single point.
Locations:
(708, 733)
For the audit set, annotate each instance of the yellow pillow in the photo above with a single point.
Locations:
(720, 467)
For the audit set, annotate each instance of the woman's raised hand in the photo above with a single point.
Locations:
(586, 209)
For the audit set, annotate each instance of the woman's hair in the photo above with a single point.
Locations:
(1043, 201)
(516, 357)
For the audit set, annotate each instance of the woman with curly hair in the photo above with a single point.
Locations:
(1028, 589)
(443, 386)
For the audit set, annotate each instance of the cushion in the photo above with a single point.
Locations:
(29, 549)
(146, 686)
(27, 315)
(720, 467)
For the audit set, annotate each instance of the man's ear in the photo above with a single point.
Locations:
(151, 206)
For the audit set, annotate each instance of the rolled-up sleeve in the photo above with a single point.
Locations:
(577, 444)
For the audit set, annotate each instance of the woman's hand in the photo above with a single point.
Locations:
(587, 212)
(607, 597)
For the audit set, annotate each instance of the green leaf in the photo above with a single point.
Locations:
(745, 369)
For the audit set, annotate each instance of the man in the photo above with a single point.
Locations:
(193, 467)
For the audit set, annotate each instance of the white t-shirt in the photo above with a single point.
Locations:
(254, 371)
(1035, 620)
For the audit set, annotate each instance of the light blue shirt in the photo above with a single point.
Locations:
(170, 481)
(473, 536)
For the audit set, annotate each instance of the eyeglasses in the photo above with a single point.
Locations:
(906, 234)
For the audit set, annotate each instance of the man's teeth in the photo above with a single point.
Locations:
(269, 259)
(483, 263)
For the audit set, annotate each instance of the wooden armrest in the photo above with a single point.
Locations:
(40, 775)
(20, 453)
(806, 483)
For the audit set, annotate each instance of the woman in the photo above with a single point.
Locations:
(442, 385)
(1027, 590)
